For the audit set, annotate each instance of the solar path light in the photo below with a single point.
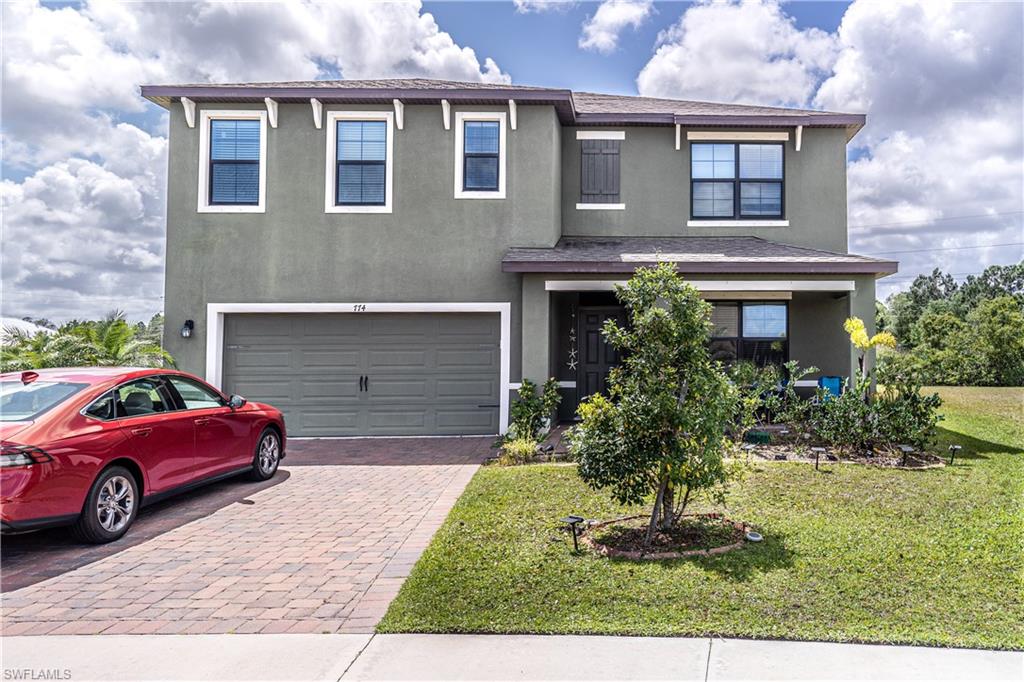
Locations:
(573, 522)
(953, 449)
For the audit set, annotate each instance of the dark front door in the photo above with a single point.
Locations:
(597, 356)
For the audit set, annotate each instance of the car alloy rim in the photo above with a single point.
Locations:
(115, 504)
(269, 453)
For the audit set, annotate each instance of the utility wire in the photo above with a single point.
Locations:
(950, 248)
(933, 220)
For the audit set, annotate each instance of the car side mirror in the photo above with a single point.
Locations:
(235, 402)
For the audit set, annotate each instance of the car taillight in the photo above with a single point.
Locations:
(21, 455)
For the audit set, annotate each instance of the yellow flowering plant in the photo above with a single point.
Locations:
(854, 326)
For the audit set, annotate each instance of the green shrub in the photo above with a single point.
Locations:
(517, 451)
(530, 411)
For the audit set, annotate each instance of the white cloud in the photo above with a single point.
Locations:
(748, 52)
(940, 164)
(945, 148)
(526, 6)
(601, 31)
(83, 231)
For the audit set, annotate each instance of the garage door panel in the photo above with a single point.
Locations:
(466, 358)
(478, 388)
(458, 421)
(328, 422)
(397, 419)
(344, 388)
(260, 359)
(415, 390)
(268, 390)
(350, 360)
(391, 360)
(429, 373)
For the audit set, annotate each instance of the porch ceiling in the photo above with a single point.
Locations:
(691, 255)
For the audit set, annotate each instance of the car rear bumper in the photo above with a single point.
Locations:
(11, 527)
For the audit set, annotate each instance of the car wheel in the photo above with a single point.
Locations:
(268, 455)
(110, 507)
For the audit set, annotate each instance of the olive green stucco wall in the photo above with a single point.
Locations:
(655, 187)
(433, 247)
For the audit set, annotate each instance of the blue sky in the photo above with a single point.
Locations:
(936, 175)
(540, 48)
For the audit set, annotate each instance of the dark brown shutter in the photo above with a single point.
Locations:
(599, 172)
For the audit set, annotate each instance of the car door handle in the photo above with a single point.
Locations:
(201, 421)
(142, 431)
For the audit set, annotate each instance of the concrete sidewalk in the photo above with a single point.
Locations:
(482, 657)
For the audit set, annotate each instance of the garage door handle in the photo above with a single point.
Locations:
(366, 382)
(142, 432)
(361, 383)
(494, 405)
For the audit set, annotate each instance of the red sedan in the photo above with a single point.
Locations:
(88, 447)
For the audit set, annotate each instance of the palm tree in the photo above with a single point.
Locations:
(110, 342)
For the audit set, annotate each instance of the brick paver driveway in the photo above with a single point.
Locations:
(325, 549)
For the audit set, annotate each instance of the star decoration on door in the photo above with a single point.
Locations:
(573, 353)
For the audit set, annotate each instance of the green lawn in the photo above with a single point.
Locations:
(851, 553)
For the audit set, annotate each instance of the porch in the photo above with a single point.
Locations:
(772, 303)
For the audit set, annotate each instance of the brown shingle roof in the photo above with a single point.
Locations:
(690, 254)
(581, 108)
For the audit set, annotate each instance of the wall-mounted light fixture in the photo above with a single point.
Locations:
(186, 329)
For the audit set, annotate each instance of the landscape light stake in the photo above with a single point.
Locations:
(573, 521)
(906, 450)
(817, 456)
(953, 449)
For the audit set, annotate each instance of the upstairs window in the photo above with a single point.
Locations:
(234, 162)
(360, 167)
(232, 175)
(736, 180)
(480, 155)
(362, 157)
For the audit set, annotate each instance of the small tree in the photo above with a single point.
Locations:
(661, 432)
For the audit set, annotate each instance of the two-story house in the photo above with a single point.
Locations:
(392, 257)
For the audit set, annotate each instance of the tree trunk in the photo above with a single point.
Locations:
(668, 517)
(655, 513)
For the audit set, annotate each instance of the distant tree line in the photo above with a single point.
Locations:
(110, 342)
(969, 334)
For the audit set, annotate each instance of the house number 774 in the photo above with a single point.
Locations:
(359, 308)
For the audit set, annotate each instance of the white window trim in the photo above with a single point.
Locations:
(331, 167)
(760, 285)
(460, 118)
(737, 223)
(739, 136)
(600, 134)
(600, 207)
(215, 313)
(207, 115)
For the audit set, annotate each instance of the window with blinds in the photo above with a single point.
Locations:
(234, 162)
(361, 158)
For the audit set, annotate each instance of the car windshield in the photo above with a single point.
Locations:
(24, 402)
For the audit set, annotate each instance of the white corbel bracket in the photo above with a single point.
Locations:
(399, 114)
(271, 111)
(799, 136)
(190, 111)
(446, 114)
(318, 112)
(512, 114)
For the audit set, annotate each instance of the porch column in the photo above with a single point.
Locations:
(861, 303)
(536, 329)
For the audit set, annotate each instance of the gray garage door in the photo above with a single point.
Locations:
(426, 374)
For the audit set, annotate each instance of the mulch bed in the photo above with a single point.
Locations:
(694, 535)
(790, 445)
